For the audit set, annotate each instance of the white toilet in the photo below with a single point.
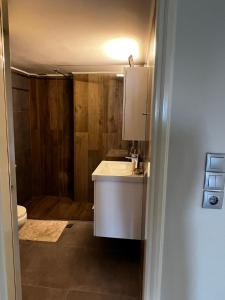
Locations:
(21, 215)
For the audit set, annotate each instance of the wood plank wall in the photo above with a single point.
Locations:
(21, 114)
(44, 143)
(62, 133)
(52, 137)
(98, 111)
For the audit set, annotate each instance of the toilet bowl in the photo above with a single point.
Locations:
(21, 215)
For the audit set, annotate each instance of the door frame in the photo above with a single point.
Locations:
(10, 277)
(10, 281)
(160, 132)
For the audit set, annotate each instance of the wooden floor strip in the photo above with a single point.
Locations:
(59, 208)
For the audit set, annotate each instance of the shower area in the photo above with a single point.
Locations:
(64, 127)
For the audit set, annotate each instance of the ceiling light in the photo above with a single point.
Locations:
(121, 48)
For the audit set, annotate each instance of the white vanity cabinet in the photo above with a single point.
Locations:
(136, 87)
(118, 201)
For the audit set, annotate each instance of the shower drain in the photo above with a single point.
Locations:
(69, 225)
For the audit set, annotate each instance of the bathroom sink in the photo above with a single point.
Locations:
(118, 201)
(116, 171)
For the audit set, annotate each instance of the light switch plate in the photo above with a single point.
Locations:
(213, 199)
(214, 181)
(215, 162)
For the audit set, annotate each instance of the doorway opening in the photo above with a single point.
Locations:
(68, 118)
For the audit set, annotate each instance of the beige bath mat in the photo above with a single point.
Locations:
(43, 231)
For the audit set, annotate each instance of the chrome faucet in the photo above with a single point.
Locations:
(134, 159)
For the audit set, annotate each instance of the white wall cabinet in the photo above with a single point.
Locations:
(136, 88)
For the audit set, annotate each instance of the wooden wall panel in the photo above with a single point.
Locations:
(81, 107)
(52, 138)
(44, 142)
(66, 138)
(49, 135)
(20, 81)
(91, 124)
(81, 165)
(21, 113)
(36, 143)
(98, 110)
(95, 112)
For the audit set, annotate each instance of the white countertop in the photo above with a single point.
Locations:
(115, 171)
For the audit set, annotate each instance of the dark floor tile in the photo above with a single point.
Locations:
(41, 293)
(79, 261)
(81, 234)
(50, 266)
(78, 268)
(76, 295)
(106, 273)
(25, 250)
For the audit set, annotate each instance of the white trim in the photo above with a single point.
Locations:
(22, 71)
(113, 71)
(49, 75)
(82, 69)
(96, 72)
(165, 37)
(34, 74)
(8, 214)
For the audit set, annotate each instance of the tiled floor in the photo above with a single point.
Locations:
(81, 267)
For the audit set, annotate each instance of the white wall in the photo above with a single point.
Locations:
(194, 248)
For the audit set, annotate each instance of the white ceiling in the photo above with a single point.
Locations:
(72, 33)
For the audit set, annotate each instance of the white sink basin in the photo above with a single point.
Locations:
(118, 207)
(116, 171)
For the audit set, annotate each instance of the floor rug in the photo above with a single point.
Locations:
(42, 231)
